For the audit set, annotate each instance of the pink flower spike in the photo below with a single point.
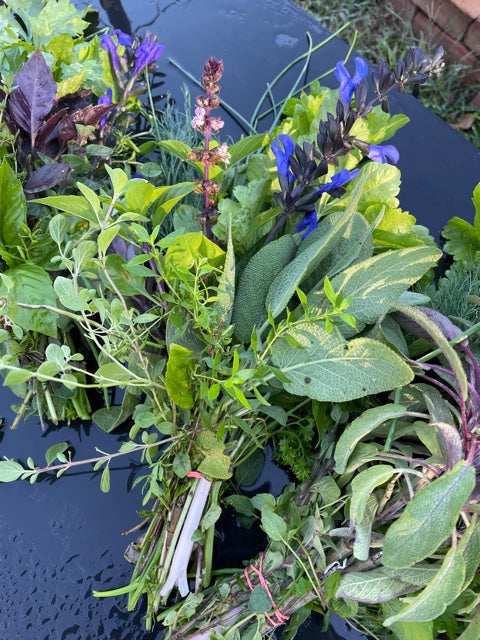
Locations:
(194, 474)
(198, 120)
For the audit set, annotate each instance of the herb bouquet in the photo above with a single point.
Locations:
(263, 296)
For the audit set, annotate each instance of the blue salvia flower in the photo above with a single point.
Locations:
(123, 38)
(282, 155)
(309, 221)
(107, 43)
(105, 100)
(347, 83)
(147, 53)
(338, 180)
(380, 153)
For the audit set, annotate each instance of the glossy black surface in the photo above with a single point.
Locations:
(59, 540)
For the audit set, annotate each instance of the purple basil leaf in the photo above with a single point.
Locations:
(122, 248)
(66, 131)
(47, 131)
(92, 114)
(33, 96)
(46, 177)
(446, 326)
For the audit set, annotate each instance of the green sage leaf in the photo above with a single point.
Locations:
(330, 369)
(429, 518)
(438, 594)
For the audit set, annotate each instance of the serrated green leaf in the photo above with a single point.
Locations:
(437, 595)
(330, 369)
(420, 574)
(259, 602)
(362, 426)
(429, 518)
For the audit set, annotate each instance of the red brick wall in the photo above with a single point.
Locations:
(455, 24)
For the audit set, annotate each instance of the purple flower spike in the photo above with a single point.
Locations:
(309, 223)
(109, 45)
(380, 153)
(347, 83)
(123, 38)
(105, 100)
(282, 156)
(147, 53)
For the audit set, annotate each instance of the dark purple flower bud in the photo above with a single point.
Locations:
(123, 38)
(309, 223)
(147, 53)
(105, 100)
(109, 45)
(282, 156)
(347, 83)
(380, 153)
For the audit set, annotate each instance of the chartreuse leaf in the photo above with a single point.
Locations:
(245, 146)
(188, 248)
(168, 197)
(429, 518)
(178, 376)
(407, 630)
(372, 587)
(74, 205)
(13, 207)
(328, 368)
(17, 376)
(445, 587)
(374, 284)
